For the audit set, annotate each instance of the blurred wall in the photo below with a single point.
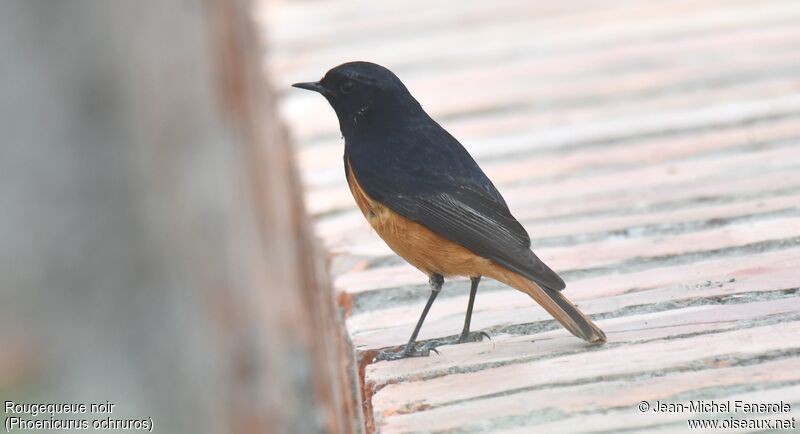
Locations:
(154, 250)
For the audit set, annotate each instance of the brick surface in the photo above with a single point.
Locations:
(651, 149)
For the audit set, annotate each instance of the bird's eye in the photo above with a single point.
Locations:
(346, 87)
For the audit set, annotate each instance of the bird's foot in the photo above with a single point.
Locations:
(407, 351)
(473, 337)
(461, 339)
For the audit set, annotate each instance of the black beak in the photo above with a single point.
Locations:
(312, 85)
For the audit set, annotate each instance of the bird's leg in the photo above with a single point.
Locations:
(410, 350)
(465, 336)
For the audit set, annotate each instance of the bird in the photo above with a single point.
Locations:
(427, 198)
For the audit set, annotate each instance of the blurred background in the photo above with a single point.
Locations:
(154, 247)
(157, 172)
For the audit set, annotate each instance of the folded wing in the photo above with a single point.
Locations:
(441, 187)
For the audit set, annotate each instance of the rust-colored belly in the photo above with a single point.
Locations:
(422, 248)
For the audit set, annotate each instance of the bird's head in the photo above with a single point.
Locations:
(358, 91)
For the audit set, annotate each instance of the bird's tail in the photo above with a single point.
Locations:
(557, 305)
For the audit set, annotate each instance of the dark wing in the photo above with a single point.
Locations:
(435, 182)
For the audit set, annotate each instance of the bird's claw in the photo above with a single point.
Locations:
(473, 337)
(461, 339)
(423, 351)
